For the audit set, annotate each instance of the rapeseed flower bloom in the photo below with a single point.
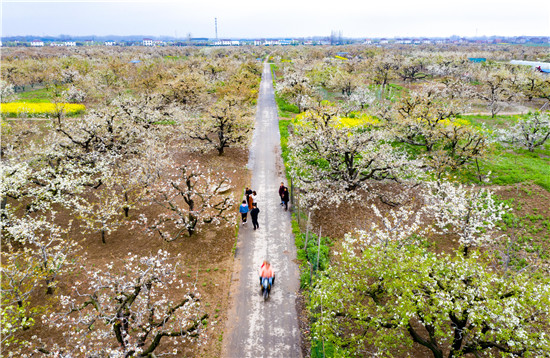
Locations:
(20, 109)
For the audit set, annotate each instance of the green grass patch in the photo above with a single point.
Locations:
(175, 58)
(285, 151)
(42, 95)
(509, 164)
(512, 166)
(532, 232)
(320, 349)
(492, 123)
(167, 122)
(285, 109)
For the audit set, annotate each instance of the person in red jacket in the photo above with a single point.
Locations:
(267, 273)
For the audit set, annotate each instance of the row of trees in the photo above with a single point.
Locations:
(497, 85)
(128, 162)
(386, 290)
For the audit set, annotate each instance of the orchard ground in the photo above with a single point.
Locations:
(518, 177)
(206, 257)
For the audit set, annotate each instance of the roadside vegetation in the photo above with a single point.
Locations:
(427, 176)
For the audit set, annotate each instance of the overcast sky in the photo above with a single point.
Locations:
(278, 18)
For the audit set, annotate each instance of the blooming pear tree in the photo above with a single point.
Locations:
(295, 87)
(49, 176)
(19, 280)
(192, 197)
(530, 132)
(363, 96)
(470, 213)
(381, 297)
(428, 120)
(383, 70)
(35, 253)
(495, 88)
(421, 116)
(343, 81)
(100, 211)
(73, 95)
(186, 89)
(119, 129)
(333, 161)
(398, 226)
(6, 90)
(412, 69)
(138, 173)
(124, 310)
(226, 125)
(45, 242)
(360, 99)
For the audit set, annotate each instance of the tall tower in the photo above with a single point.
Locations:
(216, 25)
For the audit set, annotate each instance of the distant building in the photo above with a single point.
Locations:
(56, 44)
(223, 42)
(70, 43)
(147, 42)
(110, 43)
(37, 43)
(477, 59)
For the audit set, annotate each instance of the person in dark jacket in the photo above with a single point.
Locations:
(254, 215)
(285, 197)
(281, 191)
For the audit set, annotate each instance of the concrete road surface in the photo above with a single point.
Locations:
(256, 328)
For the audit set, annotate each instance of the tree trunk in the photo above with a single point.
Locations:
(49, 288)
(126, 207)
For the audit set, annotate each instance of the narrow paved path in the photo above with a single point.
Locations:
(256, 328)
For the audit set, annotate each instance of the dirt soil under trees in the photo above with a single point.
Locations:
(525, 200)
(529, 202)
(206, 257)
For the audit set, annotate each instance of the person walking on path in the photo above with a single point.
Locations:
(243, 209)
(281, 191)
(248, 192)
(285, 197)
(254, 197)
(254, 215)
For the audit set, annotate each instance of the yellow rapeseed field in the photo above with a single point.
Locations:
(358, 120)
(23, 109)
